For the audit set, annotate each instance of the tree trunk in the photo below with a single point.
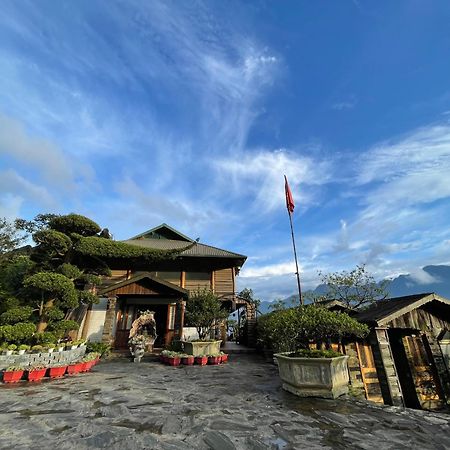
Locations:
(43, 318)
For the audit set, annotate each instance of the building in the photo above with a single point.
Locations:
(404, 360)
(162, 287)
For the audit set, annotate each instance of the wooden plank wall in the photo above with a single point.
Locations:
(419, 319)
(224, 282)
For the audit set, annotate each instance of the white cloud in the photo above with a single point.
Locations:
(260, 174)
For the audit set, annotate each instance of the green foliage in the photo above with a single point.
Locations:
(107, 248)
(13, 272)
(64, 326)
(70, 271)
(15, 315)
(87, 298)
(74, 223)
(203, 310)
(54, 286)
(248, 295)
(18, 333)
(313, 353)
(355, 289)
(9, 236)
(45, 338)
(54, 314)
(295, 328)
(7, 302)
(51, 245)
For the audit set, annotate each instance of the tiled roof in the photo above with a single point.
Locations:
(198, 250)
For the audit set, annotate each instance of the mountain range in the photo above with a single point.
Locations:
(428, 279)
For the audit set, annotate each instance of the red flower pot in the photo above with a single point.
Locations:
(162, 358)
(188, 361)
(201, 360)
(174, 361)
(57, 372)
(224, 358)
(36, 375)
(74, 368)
(13, 376)
(214, 360)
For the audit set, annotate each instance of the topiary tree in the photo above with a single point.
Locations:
(203, 311)
(296, 328)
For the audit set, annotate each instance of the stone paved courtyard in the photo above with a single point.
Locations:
(120, 405)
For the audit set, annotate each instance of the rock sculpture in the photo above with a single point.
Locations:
(142, 335)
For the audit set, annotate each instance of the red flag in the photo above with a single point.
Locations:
(289, 199)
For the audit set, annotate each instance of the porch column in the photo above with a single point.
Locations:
(110, 317)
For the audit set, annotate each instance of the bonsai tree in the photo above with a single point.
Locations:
(289, 330)
(203, 311)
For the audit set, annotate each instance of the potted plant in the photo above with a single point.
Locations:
(72, 345)
(305, 372)
(203, 311)
(36, 373)
(201, 360)
(37, 348)
(223, 357)
(57, 371)
(13, 374)
(174, 359)
(10, 349)
(22, 349)
(60, 346)
(75, 367)
(50, 348)
(82, 343)
(187, 360)
(163, 356)
(214, 359)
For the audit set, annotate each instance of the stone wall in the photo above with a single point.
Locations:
(42, 359)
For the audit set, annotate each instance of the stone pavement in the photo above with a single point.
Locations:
(121, 405)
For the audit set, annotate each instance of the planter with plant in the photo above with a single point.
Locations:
(201, 360)
(13, 374)
(305, 372)
(22, 349)
(11, 349)
(214, 359)
(223, 357)
(37, 348)
(187, 360)
(36, 373)
(204, 312)
(174, 359)
(60, 346)
(57, 371)
(50, 348)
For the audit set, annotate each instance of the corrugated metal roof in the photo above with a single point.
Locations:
(199, 250)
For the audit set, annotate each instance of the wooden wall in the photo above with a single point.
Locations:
(224, 282)
(420, 319)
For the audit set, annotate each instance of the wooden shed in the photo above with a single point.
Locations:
(405, 358)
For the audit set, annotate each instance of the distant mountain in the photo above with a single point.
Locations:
(428, 279)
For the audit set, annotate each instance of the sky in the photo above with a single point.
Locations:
(135, 113)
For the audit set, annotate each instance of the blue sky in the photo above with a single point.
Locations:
(136, 113)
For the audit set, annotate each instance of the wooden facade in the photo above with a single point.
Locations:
(163, 286)
(402, 361)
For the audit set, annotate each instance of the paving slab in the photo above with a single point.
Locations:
(239, 405)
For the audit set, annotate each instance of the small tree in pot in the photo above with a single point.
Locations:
(203, 311)
(306, 372)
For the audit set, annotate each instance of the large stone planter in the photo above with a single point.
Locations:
(200, 348)
(314, 377)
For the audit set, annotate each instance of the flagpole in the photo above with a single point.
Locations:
(296, 262)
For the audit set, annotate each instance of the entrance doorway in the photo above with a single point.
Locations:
(415, 369)
(129, 311)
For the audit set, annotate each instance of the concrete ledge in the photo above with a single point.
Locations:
(42, 359)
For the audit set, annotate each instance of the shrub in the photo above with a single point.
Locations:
(12, 347)
(295, 328)
(15, 315)
(98, 347)
(64, 326)
(19, 333)
(45, 338)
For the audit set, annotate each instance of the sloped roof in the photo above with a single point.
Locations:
(142, 276)
(164, 231)
(156, 238)
(384, 311)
